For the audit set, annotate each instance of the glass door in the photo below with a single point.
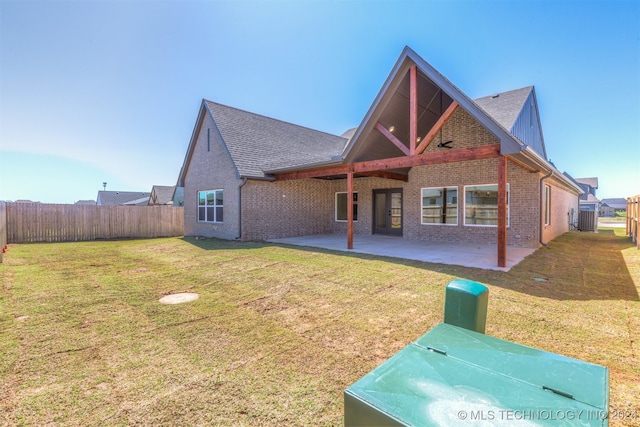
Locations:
(387, 211)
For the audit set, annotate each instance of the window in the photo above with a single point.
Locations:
(210, 206)
(547, 205)
(481, 205)
(341, 206)
(440, 205)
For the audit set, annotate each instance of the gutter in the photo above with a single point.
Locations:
(244, 181)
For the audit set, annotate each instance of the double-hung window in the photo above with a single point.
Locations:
(210, 206)
(481, 205)
(440, 205)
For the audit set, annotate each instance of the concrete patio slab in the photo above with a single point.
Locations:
(465, 254)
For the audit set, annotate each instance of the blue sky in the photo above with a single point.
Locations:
(95, 91)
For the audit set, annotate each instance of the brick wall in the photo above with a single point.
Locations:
(523, 203)
(211, 168)
(307, 207)
(562, 202)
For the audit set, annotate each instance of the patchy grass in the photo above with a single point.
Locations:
(278, 332)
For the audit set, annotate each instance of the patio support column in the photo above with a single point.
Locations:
(502, 211)
(350, 210)
(413, 109)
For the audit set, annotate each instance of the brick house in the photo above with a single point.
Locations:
(426, 163)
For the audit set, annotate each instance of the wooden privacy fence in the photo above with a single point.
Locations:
(37, 222)
(633, 217)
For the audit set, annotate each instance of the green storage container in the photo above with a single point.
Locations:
(466, 304)
(454, 376)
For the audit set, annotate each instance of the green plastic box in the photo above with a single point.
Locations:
(452, 376)
(466, 305)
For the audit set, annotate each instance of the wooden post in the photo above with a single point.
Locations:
(413, 109)
(502, 211)
(350, 210)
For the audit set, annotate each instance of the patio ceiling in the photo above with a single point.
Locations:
(394, 117)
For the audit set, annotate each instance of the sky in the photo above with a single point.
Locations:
(108, 91)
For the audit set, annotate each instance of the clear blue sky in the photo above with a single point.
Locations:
(94, 91)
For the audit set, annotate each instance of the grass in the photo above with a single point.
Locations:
(278, 332)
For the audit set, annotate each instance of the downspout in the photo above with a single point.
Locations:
(244, 181)
(541, 225)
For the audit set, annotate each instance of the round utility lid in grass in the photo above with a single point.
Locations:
(178, 298)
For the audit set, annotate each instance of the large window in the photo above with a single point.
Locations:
(210, 206)
(341, 206)
(481, 205)
(547, 205)
(440, 205)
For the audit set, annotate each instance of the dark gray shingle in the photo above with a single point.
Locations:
(505, 106)
(258, 143)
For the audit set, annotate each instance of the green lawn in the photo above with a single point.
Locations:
(278, 332)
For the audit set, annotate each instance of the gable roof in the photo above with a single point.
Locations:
(517, 111)
(257, 143)
(506, 106)
(121, 197)
(616, 203)
(508, 143)
(162, 194)
(259, 146)
(591, 182)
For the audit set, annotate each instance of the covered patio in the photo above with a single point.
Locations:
(479, 255)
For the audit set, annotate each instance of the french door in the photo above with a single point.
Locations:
(387, 211)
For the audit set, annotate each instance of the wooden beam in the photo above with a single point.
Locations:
(502, 211)
(350, 210)
(391, 137)
(436, 128)
(449, 156)
(413, 109)
(388, 175)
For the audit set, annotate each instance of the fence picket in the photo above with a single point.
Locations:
(38, 222)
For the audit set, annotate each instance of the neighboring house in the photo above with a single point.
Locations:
(610, 207)
(426, 163)
(85, 202)
(162, 195)
(588, 204)
(112, 198)
(178, 196)
(588, 200)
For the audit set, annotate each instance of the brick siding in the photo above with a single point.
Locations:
(306, 207)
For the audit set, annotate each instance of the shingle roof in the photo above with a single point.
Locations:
(592, 182)
(163, 194)
(258, 143)
(590, 198)
(505, 106)
(617, 203)
(120, 197)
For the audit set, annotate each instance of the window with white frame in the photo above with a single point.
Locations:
(547, 205)
(341, 206)
(210, 206)
(481, 205)
(440, 205)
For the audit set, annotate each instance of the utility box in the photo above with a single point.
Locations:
(466, 304)
(454, 376)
